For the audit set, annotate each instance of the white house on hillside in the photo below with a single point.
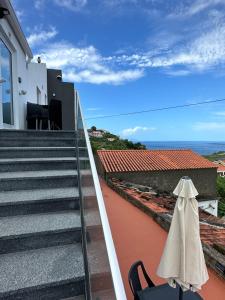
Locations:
(21, 80)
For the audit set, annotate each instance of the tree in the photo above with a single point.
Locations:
(93, 128)
(220, 186)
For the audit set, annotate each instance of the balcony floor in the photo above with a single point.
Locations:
(137, 236)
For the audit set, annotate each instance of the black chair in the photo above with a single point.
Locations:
(37, 114)
(134, 279)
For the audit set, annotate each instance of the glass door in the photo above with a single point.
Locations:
(6, 98)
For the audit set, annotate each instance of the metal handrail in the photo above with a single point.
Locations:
(113, 261)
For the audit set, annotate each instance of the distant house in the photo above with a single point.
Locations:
(99, 133)
(160, 169)
(221, 170)
(220, 167)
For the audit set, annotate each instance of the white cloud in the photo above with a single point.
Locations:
(19, 14)
(200, 5)
(38, 4)
(179, 57)
(93, 108)
(203, 53)
(133, 131)
(119, 2)
(186, 9)
(178, 72)
(85, 65)
(172, 51)
(105, 76)
(220, 113)
(204, 126)
(74, 5)
(41, 36)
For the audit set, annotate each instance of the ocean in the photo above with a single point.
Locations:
(201, 147)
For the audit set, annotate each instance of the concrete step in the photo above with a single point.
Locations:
(76, 298)
(19, 233)
(45, 163)
(35, 164)
(29, 180)
(37, 142)
(22, 202)
(47, 273)
(28, 152)
(6, 133)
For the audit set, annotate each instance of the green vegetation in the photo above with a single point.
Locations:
(110, 141)
(216, 156)
(220, 186)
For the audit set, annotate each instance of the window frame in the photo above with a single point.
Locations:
(11, 86)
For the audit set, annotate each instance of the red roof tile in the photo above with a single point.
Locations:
(210, 234)
(220, 168)
(152, 160)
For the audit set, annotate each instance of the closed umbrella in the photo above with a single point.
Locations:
(183, 260)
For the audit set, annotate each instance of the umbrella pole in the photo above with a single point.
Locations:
(180, 293)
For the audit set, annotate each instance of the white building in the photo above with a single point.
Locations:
(221, 167)
(210, 206)
(21, 80)
(97, 134)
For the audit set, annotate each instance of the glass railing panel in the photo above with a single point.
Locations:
(100, 278)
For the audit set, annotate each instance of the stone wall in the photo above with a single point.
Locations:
(203, 179)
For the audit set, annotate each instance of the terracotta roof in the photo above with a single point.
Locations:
(210, 234)
(151, 160)
(220, 168)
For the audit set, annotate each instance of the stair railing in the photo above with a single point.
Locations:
(81, 202)
(116, 283)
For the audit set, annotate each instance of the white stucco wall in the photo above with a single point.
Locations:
(32, 75)
(211, 206)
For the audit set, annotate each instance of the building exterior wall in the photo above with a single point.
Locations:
(203, 179)
(63, 91)
(32, 75)
(221, 173)
(97, 134)
(211, 206)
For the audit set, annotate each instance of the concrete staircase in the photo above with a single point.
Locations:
(40, 226)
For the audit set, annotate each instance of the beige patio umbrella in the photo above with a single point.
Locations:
(183, 260)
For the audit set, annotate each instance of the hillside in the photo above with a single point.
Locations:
(216, 156)
(109, 141)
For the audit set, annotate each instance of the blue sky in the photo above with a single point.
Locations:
(130, 55)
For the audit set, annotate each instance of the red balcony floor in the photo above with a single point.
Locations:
(137, 236)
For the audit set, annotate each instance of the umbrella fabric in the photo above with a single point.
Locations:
(183, 259)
